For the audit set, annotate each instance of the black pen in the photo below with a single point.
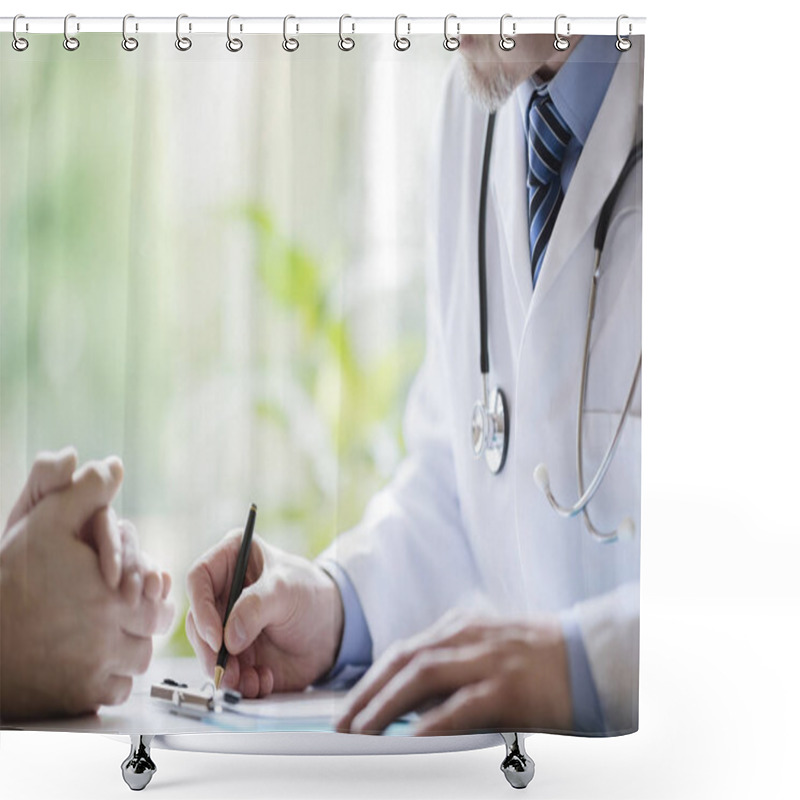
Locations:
(236, 589)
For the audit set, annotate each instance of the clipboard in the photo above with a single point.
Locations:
(224, 709)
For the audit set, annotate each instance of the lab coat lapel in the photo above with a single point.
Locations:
(509, 171)
(601, 161)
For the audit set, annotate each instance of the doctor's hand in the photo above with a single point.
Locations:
(468, 675)
(122, 564)
(68, 642)
(284, 631)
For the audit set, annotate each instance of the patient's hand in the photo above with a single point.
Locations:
(122, 564)
(69, 642)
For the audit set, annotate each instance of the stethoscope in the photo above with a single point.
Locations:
(489, 426)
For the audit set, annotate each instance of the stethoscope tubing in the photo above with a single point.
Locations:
(541, 476)
(484, 312)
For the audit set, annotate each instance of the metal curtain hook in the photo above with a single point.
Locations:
(289, 44)
(18, 43)
(345, 42)
(452, 43)
(183, 43)
(506, 41)
(401, 42)
(622, 43)
(70, 42)
(129, 43)
(233, 45)
(560, 43)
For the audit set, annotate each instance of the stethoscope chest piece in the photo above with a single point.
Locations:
(490, 427)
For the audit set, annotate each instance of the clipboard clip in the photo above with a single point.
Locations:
(191, 702)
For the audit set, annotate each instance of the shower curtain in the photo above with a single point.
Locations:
(252, 276)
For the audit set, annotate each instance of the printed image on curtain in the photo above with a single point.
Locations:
(381, 309)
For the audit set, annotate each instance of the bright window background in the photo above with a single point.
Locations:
(212, 265)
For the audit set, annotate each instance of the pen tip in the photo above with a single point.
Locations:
(253, 507)
(218, 673)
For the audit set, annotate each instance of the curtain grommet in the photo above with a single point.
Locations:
(559, 42)
(70, 43)
(233, 44)
(451, 43)
(346, 43)
(623, 44)
(289, 43)
(401, 43)
(507, 42)
(129, 43)
(183, 43)
(19, 43)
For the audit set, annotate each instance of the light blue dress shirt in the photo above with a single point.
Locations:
(577, 89)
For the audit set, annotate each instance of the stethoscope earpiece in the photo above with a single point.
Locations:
(626, 531)
(541, 477)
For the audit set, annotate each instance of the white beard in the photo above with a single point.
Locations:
(489, 92)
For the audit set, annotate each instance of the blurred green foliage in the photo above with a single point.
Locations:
(369, 400)
(116, 227)
(370, 395)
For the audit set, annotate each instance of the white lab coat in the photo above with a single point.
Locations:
(446, 532)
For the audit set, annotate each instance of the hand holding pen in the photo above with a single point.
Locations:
(282, 633)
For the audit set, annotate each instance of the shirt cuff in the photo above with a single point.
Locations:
(587, 713)
(355, 649)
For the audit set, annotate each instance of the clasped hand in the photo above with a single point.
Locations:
(80, 602)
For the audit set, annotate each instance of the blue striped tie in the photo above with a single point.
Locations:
(548, 137)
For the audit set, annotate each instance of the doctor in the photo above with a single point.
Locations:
(460, 585)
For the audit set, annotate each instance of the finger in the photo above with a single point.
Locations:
(148, 617)
(50, 473)
(266, 678)
(255, 681)
(232, 676)
(269, 601)
(208, 579)
(116, 690)
(391, 662)
(166, 585)
(208, 658)
(470, 710)
(93, 487)
(450, 630)
(132, 655)
(378, 675)
(152, 578)
(139, 562)
(131, 583)
(131, 586)
(430, 674)
(103, 534)
(249, 682)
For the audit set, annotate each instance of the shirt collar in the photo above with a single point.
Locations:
(578, 88)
